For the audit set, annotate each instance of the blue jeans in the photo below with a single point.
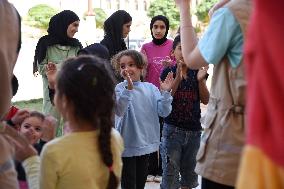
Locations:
(178, 150)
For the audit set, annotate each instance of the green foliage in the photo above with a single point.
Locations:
(39, 16)
(100, 17)
(34, 104)
(203, 9)
(166, 8)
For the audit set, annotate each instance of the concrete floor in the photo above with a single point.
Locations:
(154, 185)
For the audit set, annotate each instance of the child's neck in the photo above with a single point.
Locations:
(80, 126)
(184, 69)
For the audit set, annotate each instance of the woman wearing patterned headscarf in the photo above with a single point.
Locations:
(54, 48)
(158, 53)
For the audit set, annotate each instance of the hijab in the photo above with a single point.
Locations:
(113, 27)
(166, 21)
(57, 34)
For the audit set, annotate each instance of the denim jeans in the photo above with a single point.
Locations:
(178, 150)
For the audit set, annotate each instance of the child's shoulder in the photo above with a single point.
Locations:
(121, 84)
(149, 86)
(147, 45)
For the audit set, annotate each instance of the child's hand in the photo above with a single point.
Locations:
(19, 117)
(51, 74)
(179, 69)
(24, 149)
(166, 61)
(126, 75)
(168, 82)
(49, 128)
(202, 73)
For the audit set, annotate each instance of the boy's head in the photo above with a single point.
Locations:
(32, 126)
(176, 50)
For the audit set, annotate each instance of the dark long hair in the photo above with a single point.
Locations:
(113, 26)
(87, 84)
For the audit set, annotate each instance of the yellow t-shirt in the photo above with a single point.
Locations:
(74, 162)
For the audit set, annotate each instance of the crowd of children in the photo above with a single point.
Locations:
(113, 129)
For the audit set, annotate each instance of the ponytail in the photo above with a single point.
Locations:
(105, 149)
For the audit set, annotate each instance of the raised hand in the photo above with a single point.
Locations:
(179, 69)
(49, 128)
(166, 61)
(24, 149)
(19, 117)
(202, 72)
(167, 84)
(126, 75)
(50, 72)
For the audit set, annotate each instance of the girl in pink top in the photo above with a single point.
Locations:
(157, 53)
(158, 50)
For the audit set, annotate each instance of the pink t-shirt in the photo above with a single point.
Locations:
(155, 55)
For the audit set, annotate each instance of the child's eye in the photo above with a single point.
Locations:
(26, 126)
(122, 66)
(38, 129)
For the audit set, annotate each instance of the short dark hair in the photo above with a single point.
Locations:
(37, 114)
(176, 42)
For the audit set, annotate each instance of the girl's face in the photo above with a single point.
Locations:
(128, 64)
(159, 29)
(32, 128)
(126, 29)
(72, 29)
(177, 53)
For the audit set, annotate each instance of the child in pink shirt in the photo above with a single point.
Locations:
(158, 50)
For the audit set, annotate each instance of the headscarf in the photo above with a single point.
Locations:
(57, 34)
(113, 26)
(96, 49)
(166, 21)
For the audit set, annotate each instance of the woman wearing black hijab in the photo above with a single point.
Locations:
(116, 28)
(54, 48)
(157, 52)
